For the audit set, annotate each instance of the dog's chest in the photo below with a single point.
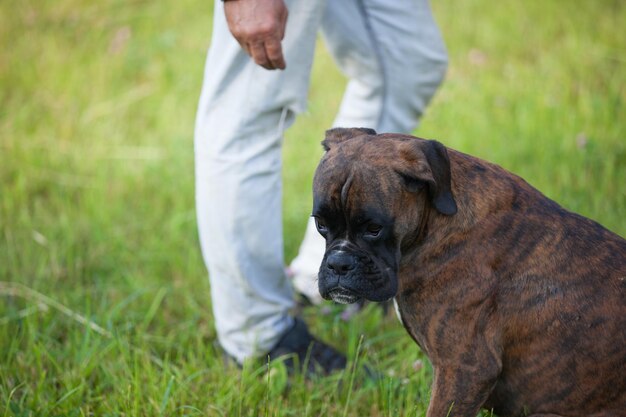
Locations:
(397, 310)
(408, 318)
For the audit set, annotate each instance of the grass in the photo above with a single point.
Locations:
(104, 301)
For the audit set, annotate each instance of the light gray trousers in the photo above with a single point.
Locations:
(394, 56)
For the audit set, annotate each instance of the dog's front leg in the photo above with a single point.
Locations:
(460, 392)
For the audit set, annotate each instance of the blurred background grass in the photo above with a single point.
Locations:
(97, 103)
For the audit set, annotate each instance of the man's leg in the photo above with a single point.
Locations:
(395, 58)
(242, 112)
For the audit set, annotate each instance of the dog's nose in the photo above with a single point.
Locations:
(341, 262)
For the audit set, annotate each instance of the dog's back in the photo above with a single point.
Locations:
(562, 300)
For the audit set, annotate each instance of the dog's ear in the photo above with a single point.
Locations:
(427, 162)
(339, 134)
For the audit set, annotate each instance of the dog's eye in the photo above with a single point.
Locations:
(321, 226)
(373, 230)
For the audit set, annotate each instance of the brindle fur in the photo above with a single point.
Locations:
(519, 304)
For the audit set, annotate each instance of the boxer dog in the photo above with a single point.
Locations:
(519, 304)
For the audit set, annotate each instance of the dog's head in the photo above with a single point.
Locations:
(371, 194)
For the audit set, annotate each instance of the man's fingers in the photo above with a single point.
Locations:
(268, 54)
(245, 46)
(274, 53)
(257, 51)
(259, 26)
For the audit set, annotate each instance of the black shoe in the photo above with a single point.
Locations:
(300, 348)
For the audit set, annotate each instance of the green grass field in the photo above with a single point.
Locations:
(104, 300)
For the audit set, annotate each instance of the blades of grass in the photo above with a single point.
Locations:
(195, 410)
(63, 398)
(158, 299)
(240, 396)
(352, 375)
(8, 402)
(18, 290)
(268, 387)
(23, 313)
(166, 396)
(450, 409)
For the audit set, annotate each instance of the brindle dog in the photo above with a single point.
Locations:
(519, 304)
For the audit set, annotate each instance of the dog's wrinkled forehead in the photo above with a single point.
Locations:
(341, 189)
(372, 167)
(354, 170)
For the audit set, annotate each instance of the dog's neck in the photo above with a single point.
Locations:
(490, 193)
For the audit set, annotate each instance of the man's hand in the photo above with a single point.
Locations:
(259, 27)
